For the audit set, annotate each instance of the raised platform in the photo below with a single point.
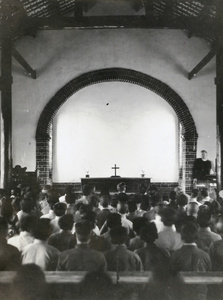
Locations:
(110, 183)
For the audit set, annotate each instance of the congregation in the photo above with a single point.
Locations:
(99, 233)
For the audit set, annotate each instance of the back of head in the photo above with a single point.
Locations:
(83, 230)
(27, 205)
(42, 229)
(105, 200)
(86, 189)
(59, 209)
(113, 220)
(168, 216)
(119, 235)
(194, 193)
(182, 200)
(138, 223)
(204, 192)
(89, 216)
(66, 222)
(96, 285)
(27, 223)
(52, 200)
(122, 208)
(189, 232)
(204, 216)
(29, 283)
(148, 233)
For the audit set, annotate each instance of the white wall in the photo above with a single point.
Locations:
(118, 123)
(60, 56)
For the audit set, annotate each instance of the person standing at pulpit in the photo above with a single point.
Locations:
(202, 167)
(121, 196)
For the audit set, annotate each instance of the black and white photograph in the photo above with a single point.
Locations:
(111, 150)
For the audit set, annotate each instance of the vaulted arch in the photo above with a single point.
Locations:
(121, 75)
(188, 132)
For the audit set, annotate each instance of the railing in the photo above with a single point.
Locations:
(59, 277)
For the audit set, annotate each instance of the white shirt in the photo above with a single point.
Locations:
(21, 240)
(41, 254)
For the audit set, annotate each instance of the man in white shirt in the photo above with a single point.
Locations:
(26, 233)
(40, 253)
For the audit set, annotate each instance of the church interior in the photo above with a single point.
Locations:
(100, 92)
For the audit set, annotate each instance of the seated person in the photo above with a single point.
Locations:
(82, 257)
(192, 209)
(194, 196)
(29, 283)
(150, 255)
(119, 258)
(190, 258)
(97, 286)
(168, 238)
(102, 215)
(10, 258)
(137, 242)
(113, 220)
(59, 209)
(122, 209)
(86, 190)
(40, 253)
(206, 237)
(64, 239)
(25, 236)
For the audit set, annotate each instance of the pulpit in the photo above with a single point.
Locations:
(110, 183)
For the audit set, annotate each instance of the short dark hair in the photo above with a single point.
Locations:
(42, 229)
(148, 233)
(138, 223)
(27, 223)
(114, 219)
(204, 216)
(168, 216)
(27, 205)
(189, 232)
(182, 200)
(86, 189)
(83, 230)
(119, 235)
(204, 192)
(66, 222)
(59, 209)
(90, 216)
(29, 283)
(194, 193)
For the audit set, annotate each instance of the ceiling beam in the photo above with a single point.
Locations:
(107, 22)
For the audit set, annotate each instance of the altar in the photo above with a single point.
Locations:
(110, 183)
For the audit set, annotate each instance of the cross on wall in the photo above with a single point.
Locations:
(115, 168)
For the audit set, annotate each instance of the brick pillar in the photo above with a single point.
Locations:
(190, 156)
(42, 160)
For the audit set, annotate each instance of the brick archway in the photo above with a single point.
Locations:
(188, 132)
